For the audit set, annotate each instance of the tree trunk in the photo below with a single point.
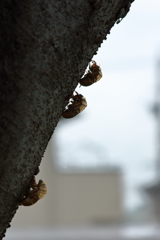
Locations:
(45, 47)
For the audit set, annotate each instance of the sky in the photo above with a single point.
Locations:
(117, 127)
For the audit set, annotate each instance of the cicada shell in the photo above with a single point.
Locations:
(38, 191)
(93, 75)
(78, 104)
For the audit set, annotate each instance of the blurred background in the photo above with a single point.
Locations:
(102, 168)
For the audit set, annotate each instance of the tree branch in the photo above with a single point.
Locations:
(45, 47)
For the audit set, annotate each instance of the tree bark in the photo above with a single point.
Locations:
(45, 47)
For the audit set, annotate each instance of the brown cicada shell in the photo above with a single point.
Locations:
(93, 75)
(35, 192)
(78, 104)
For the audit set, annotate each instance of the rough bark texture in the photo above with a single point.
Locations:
(45, 47)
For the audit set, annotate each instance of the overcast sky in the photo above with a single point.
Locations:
(117, 127)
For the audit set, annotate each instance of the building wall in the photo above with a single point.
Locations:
(86, 198)
(74, 198)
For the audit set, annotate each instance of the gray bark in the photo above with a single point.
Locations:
(45, 47)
